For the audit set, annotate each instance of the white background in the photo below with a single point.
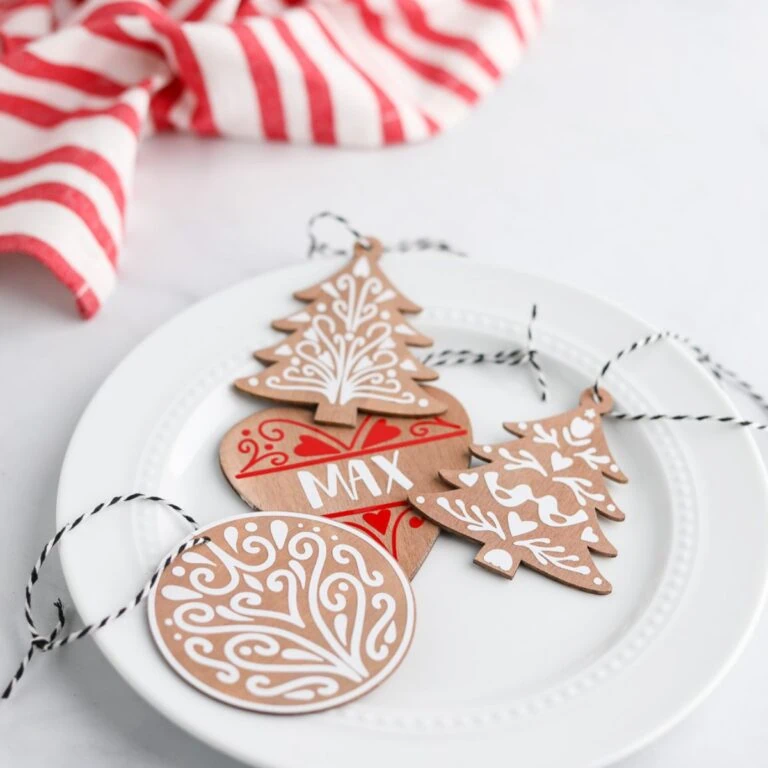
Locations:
(628, 155)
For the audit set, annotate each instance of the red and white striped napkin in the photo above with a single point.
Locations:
(81, 83)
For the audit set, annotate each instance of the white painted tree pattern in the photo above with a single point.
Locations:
(348, 349)
(537, 501)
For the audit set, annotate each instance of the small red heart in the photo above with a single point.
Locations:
(380, 432)
(311, 446)
(378, 520)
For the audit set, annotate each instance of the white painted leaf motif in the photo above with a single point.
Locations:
(340, 624)
(175, 592)
(253, 582)
(330, 289)
(196, 558)
(279, 531)
(387, 295)
(363, 363)
(362, 267)
(230, 536)
(548, 554)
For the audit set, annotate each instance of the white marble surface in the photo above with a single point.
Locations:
(627, 156)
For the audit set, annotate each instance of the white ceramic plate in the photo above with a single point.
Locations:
(526, 672)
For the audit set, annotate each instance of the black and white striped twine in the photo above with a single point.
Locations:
(42, 643)
(519, 356)
(724, 375)
(322, 248)
(510, 357)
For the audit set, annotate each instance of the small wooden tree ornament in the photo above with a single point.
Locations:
(362, 477)
(348, 349)
(537, 500)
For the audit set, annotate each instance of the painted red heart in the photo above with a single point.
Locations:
(378, 520)
(380, 432)
(312, 446)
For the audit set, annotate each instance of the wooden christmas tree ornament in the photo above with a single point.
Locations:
(283, 613)
(279, 458)
(537, 500)
(348, 349)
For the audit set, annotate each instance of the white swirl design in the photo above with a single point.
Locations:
(283, 612)
(351, 351)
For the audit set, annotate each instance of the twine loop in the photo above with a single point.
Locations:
(320, 247)
(509, 357)
(40, 643)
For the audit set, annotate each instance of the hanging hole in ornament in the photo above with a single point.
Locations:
(598, 398)
(368, 246)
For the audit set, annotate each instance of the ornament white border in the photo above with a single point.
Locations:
(636, 639)
(317, 706)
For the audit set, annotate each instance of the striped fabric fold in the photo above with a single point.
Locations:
(82, 83)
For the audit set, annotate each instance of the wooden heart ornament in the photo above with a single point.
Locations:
(281, 459)
(282, 612)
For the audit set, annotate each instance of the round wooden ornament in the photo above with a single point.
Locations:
(283, 612)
